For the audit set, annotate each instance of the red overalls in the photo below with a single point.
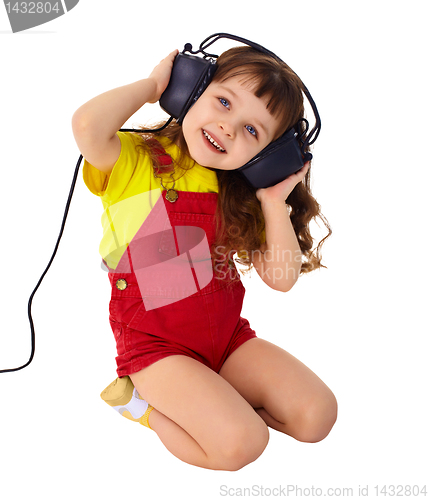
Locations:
(166, 299)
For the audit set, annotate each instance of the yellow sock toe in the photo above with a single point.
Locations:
(124, 398)
(119, 392)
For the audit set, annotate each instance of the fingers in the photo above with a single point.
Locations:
(161, 74)
(171, 56)
(174, 53)
(282, 190)
(302, 172)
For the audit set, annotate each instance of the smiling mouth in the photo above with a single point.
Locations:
(213, 142)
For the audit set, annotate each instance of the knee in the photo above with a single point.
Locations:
(317, 419)
(243, 445)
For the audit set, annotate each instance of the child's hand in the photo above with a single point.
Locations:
(161, 75)
(279, 192)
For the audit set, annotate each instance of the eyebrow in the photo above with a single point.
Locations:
(227, 89)
(258, 123)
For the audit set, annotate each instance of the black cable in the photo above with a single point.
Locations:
(46, 270)
(66, 211)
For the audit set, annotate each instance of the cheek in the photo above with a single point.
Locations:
(190, 119)
(195, 119)
(186, 126)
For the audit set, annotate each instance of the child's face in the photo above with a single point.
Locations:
(229, 114)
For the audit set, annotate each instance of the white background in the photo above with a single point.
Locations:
(360, 324)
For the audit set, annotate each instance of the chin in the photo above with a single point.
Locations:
(198, 156)
(199, 159)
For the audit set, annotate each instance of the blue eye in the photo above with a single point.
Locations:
(251, 130)
(224, 102)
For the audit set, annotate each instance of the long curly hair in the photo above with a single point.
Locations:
(240, 220)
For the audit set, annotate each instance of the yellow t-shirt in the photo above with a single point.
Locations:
(131, 190)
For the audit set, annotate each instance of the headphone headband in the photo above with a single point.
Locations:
(206, 43)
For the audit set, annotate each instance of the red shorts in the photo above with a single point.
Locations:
(206, 327)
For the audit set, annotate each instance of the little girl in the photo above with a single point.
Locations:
(175, 212)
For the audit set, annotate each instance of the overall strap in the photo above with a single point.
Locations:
(161, 156)
(162, 159)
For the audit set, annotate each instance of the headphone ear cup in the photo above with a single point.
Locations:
(190, 76)
(274, 163)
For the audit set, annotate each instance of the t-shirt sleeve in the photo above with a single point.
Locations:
(110, 187)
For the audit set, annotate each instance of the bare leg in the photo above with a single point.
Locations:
(287, 395)
(199, 416)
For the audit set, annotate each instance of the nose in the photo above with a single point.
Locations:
(227, 128)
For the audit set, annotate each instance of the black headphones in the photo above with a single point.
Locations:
(192, 74)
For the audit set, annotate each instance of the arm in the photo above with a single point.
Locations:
(278, 262)
(95, 123)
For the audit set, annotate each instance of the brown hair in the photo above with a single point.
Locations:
(239, 214)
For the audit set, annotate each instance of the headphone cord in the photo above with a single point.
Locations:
(66, 211)
(33, 337)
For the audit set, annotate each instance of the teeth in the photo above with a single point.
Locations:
(215, 144)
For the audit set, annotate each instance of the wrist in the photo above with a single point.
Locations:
(274, 204)
(150, 90)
